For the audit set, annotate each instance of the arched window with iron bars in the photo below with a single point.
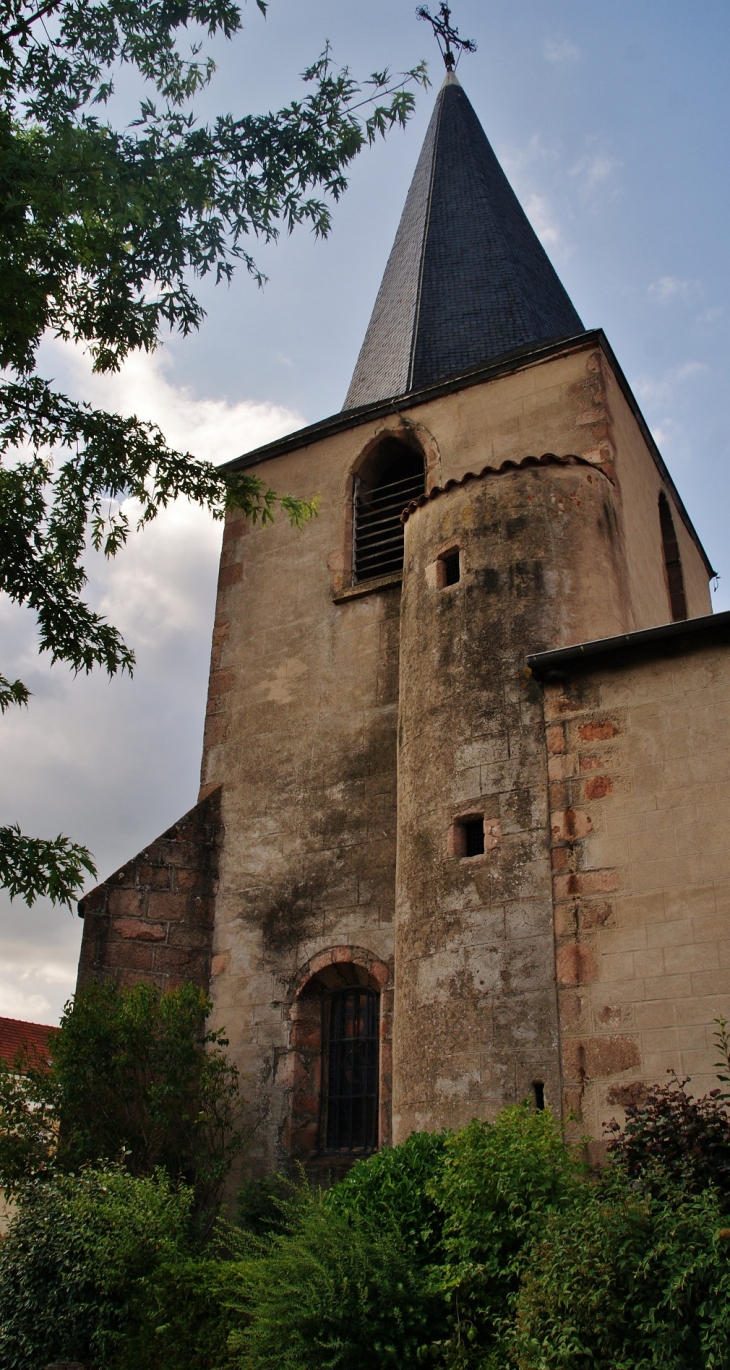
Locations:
(350, 1042)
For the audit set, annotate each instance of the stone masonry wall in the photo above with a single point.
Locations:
(639, 767)
(475, 1021)
(153, 919)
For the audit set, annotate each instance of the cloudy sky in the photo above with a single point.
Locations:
(612, 122)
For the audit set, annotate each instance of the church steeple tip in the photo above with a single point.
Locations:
(467, 279)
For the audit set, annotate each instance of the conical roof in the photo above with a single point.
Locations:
(467, 279)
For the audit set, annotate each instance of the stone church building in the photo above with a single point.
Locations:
(462, 833)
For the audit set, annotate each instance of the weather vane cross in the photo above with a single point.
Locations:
(450, 44)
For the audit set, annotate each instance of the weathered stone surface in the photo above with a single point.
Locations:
(153, 918)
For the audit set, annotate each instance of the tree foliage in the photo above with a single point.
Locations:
(134, 1076)
(104, 231)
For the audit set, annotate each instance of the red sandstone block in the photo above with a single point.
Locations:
(599, 787)
(555, 738)
(570, 826)
(565, 919)
(128, 955)
(126, 903)
(558, 794)
(586, 882)
(560, 858)
(190, 879)
(598, 915)
(156, 877)
(597, 732)
(203, 911)
(306, 1104)
(575, 965)
(379, 973)
(341, 954)
(95, 900)
(230, 575)
(598, 1057)
(127, 978)
(191, 965)
(190, 937)
(219, 963)
(220, 683)
(136, 928)
(164, 906)
(570, 1009)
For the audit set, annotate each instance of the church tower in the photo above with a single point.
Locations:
(438, 717)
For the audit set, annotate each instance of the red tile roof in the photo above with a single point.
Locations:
(548, 459)
(32, 1039)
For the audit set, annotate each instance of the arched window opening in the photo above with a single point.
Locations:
(350, 1068)
(394, 475)
(672, 561)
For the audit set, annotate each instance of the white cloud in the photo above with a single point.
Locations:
(113, 763)
(211, 428)
(661, 390)
(670, 288)
(710, 315)
(561, 52)
(596, 171)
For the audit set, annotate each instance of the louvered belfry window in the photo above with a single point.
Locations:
(351, 1066)
(394, 476)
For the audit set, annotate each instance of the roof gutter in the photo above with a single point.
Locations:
(683, 636)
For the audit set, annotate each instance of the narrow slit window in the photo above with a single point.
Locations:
(394, 475)
(473, 836)
(672, 561)
(451, 562)
(538, 1089)
(351, 1066)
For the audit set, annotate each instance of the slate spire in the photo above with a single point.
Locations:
(467, 279)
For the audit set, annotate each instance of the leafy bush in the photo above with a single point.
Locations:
(498, 1184)
(75, 1259)
(183, 1316)
(627, 1280)
(134, 1073)
(339, 1292)
(393, 1188)
(670, 1132)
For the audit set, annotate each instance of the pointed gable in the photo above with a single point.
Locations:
(467, 279)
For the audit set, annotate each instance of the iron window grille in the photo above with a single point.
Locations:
(351, 1070)
(474, 837)
(377, 548)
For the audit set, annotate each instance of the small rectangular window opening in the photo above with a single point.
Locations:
(473, 836)
(538, 1089)
(452, 567)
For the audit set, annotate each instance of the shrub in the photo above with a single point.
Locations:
(498, 1184)
(339, 1292)
(393, 1188)
(671, 1133)
(625, 1280)
(75, 1259)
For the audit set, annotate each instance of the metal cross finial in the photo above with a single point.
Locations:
(447, 37)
